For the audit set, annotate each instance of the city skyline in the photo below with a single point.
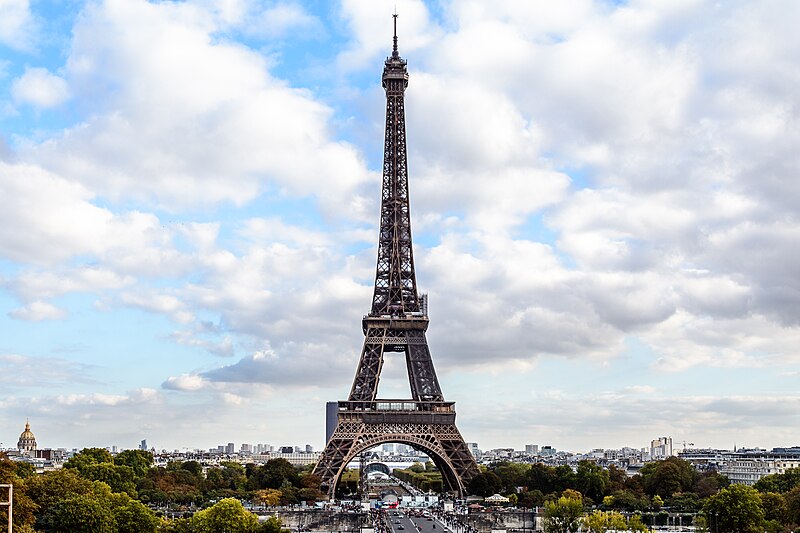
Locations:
(603, 194)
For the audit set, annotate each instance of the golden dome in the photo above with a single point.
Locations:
(27, 441)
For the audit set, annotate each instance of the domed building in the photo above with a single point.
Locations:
(27, 442)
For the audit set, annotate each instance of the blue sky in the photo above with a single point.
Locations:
(604, 203)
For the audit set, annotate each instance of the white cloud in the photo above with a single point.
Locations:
(189, 116)
(40, 88)
(36, 311)
(186, 382)
(17, 25)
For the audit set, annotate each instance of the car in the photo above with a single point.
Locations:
(400, 526)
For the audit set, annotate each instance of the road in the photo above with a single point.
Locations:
(401, 521)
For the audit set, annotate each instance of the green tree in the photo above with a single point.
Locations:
(684, 502)
(24, 470)
(24, 506)
(484, 484)
(779, 482)
(541, 477)
(562, 515)
(774, 505)
(226, 516)
(792, 499)
(635, 524)
(194, 467)
(272, 524)
(629, 501)
(530, 499)
(135, 517)
(602, 521)
(664, 478)
(79, 514)
(49, 488)
(139, 460)
(417, 467)
(512, 475)
(89, 456)
(119, 477)
(591, 480)
(735, 509)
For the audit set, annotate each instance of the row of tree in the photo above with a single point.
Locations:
(424, 477)
(98, 493)
(772, 505)
(672, 483)
(133, 473)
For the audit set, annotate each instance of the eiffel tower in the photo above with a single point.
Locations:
(396, 323)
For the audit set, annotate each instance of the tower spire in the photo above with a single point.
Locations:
(395, 53)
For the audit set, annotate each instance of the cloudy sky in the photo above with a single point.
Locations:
(605, 201)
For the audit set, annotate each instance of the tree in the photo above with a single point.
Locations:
(226, 516)
(541, 477)
(79, 514)
(628, 501)
(417, 467)
(664, 478)
(484, 484)
(685, 502)
(135, 517)
(273, 474)
(779, 482)
(51, 487)
(792, 499)
(267, 497)
(532, 498)
(139, 460)
(774, 505)
(591, 480)
(192, 466)
(119, 477)
(735, 509)
(89, 456)
(710, 483)
(602, 521)
(563, 515)
(272, 524)
(24, 507)
(512, 475)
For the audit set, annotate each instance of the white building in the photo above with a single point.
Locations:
(660, 448)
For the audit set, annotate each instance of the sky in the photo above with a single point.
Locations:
(605, 204)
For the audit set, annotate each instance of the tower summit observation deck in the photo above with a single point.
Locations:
(397, 323)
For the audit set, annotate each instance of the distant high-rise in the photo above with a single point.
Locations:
(230, 449)
(661, 448)
(532, 448)
(331, 412)
(143, 445)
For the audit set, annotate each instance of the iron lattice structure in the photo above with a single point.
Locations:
(397, 322)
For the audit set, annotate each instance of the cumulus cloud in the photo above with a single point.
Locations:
(189, 116)
(584, 177)
(39, 88)
(36, 311)
(17, 25)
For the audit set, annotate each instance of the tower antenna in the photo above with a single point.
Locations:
(395, 53)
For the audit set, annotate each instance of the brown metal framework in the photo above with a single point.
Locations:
(397, 322)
